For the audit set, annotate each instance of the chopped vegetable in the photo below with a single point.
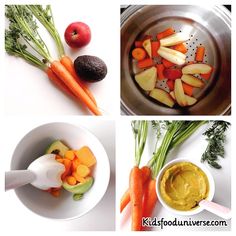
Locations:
(196, 69)
(167, 63)
(148, 47)
(145, 63)
(162, 96)
(179, 93)
(138, 44)
(174, 39)
(83, 171)
(155, 47)
(139, 54)
(208, 75)
(160, 69)
(200, 53)
(180, 47)
(165, 33)
(188, 89)
(192, 80)
(71, 180)
(172, 73)
(170, 83)
(85, 156)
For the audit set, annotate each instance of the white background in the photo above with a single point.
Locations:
(20, 221)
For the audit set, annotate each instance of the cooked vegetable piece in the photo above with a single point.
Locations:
(196, 69)
(145, 63)
(70, 155)
(193, 81)
(179, 93)
(148, 47)
(138, 44)
(170, 83)
(208, 75)
(85, 156)
(83, 170)
(162, 96)
(155, 47)
(174, 39)
(167, 63)
(71, 180)
(160, 69)
(188, 89)
(200, 53)
(138, 54)
(57, 147)
(180, 47)
(165, 33)
(172, 73)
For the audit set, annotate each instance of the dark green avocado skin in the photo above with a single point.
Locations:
(90, 68)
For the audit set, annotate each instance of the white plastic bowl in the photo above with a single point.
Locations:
(197, 209)
(34, 145)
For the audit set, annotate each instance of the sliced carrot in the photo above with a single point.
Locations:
(125, 199)
(188, 89)
(200, 54)
(165, 33)
(180, 47)
(155, 47)
(138, 44)
(67, 163)
(82, 170)
(60, 160)
(75, 88)
(139, 54)
(71, 180)
(167, 63)
(170, 83)
(78, 178)
(145, 63)
(70, 155)
(75, 164)
(69, 65)
(160, 69)
(86, 156)
(208, 75)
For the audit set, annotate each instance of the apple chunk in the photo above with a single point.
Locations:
(179, 93)
(148, 46)
(162, 96)
(193, 81)
(147, 78)
(196, 69)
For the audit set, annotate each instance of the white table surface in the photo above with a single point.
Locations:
(101, 218)
(191, 149)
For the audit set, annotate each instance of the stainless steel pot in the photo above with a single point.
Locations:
(210, 27)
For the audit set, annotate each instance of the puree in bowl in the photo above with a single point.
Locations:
(183, 186)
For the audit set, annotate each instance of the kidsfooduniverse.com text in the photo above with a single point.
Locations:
(156, 222)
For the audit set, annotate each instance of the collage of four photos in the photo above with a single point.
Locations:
(105, 137)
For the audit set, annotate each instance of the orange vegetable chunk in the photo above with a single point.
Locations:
(83, 170)
(86, 156)
(70, 155)
(71, 180)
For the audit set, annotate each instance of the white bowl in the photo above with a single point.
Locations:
(197, 209)
(34, 145)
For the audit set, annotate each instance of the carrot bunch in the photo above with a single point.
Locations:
(23, 28)
(142, 183)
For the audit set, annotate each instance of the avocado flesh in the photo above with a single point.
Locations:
(79, 188)
(58, 148)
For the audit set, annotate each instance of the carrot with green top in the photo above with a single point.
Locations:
(125, 199)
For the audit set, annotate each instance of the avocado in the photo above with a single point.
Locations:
(57, 147)
(80, 188)
(90, 68)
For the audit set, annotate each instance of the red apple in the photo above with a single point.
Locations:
(77, 34)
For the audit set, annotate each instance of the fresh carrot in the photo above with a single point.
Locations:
(70, 82)
(188, 89)
(180, 47)
(166, 63)
(165, 33)
(145, 63)
(160, 69)
(138, 44)
(208, 75)
(171, 84)
(149, 197)
(136, 197)
(139, 54)
(200, 54)
(68, 64)
(54, 78)
(155, 47)
(146, 172)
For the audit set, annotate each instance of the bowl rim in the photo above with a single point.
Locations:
(199, 165)
(84, 130)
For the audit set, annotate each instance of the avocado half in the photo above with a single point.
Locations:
(58, 148)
